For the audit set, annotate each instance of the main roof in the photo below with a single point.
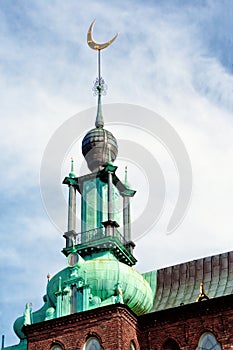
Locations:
(180, 284)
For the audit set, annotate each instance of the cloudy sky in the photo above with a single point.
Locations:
(174, 58)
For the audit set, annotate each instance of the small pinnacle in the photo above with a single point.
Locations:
(73, 244)
(202, 295)
(59, 284)
(48, 277)
(72, 174)
(126, 177)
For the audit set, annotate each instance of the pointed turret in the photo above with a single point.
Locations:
(126, 177)
(126, 213)
(72, 173)
(70, 235)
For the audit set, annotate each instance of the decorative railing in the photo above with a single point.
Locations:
(97, 234)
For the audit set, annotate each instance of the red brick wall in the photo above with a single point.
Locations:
(115, 326)
(186, 325)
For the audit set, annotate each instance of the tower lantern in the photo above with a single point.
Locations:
(105, 212)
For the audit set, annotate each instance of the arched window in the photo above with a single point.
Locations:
(132, 346)
(207, 342)
(170, 344)
(56, 347)
(92, 344)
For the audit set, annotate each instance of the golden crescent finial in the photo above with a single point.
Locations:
(95, 46)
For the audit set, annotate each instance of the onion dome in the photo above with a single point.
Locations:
(99, 146)
(109, 282)
(102, 274)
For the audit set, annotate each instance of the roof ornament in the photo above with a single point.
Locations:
(48, 277)
(27, 316)
(72, 173)
(73, 244)
(202, 295)
(119, 294)
(99, 85)
(126, 177)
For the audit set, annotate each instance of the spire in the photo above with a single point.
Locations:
(72, 174)
(97, 142)
(126, 175)
(70, 235)
(99, 122)
(71, 181)
(99, 85)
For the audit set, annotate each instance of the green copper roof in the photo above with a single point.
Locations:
(101, 281)
(21, 346)
(180, 284)
(102, 275)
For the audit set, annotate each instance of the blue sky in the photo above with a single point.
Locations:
(173, 57)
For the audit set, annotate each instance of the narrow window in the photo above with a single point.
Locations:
(92, 344)
(56, 347)
(132, 346)
(208, 342)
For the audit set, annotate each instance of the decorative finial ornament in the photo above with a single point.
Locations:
(99, 84)
(98, 142)
(48, 277)
(72, 174)
(27, 316)
(119, 294)
(202, 295)
(126, 177)
(94, 45)
(73, 244)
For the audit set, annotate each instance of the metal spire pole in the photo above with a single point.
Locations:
(99, 86)
(72, 202)
(99, 83)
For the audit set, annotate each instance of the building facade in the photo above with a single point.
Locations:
(99, 301)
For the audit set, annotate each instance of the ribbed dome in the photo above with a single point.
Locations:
(97, 147)
(102, 274)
